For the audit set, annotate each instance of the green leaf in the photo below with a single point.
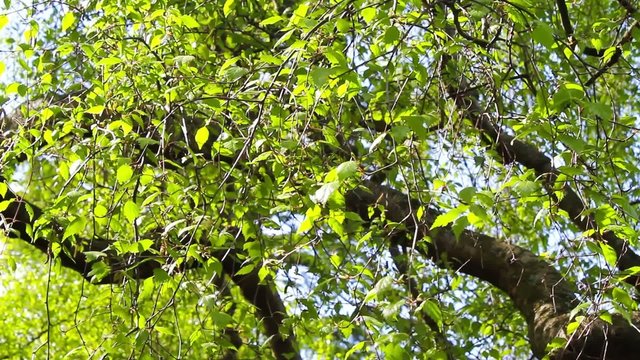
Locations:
(246, 269)
(63, 170)
(391, 35)
(95, 110)
(263, 273)
(227, 64)
(4, 20)
(343, 25)
(110, 61)
(124, 173)
(433, 311)
(379, 288)
(320, 76)
(448, 217)
(543, 34)
(336, 58)
(609, 254)
(94, 255)
(623, 297)
(357, 347)
(368, 14)
(74, 228)
(607, 318)
(221, 319)
(322, 195)
(571, 170)
(286, 36)
(377, 141)
(228, 7)
(202, 135)
(597, 43)
(181, 59)
(609, 53)
(55, 249)
(68, 20)
(147, 289)
(4, 205)
(574, 325)
(301, 11)
(467, 194)
(419, 123)
(100, 211)
(144, 245)
(189, 22)
(573, 143)
(234, 73)
(600, 109)
(3, 189)
(346, 170)
(271, 20)
(131, 210)
(525, 187)
(311, 216)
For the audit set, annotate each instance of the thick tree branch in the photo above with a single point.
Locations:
(538, 291)
(566, 20)
(627, 5)
(266, 299)
(400, 260)
(626, 37)
(16, 219)
(512, 150)
(480, 42)
(232, 334)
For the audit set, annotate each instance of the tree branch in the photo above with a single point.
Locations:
(268, 302)
(16, 220)
(627, 5)
(512, 150)
(538, 290)
(566, 20)
(401, 264)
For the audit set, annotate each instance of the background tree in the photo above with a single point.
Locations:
(291, 179)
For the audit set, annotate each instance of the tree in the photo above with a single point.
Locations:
(291, 179)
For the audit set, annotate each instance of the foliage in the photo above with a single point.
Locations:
(320, 179)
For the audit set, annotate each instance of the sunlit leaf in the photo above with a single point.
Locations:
(228, 7)
(271, 20)
(124, 173)
(448, 217)
(368, 14)
(97, 109)
(74, 228)
(322, 195)
(68, 20)
(346, 170)
(109, 61)
(202, 135)
(189, 22)
(131, 210)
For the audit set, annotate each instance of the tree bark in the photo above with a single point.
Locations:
(538, 290)
(271, 310)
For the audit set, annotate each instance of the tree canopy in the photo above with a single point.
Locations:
(289, 179)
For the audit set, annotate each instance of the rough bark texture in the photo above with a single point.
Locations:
(16, 218)
(537, 289)
(512, 150)
(266, 300)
